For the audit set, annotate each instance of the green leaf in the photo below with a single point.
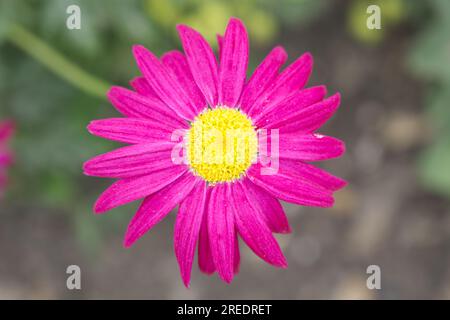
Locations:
(433, 167)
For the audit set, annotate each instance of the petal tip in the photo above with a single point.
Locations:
(85, 166)
(187, 281)
(141, 54)
(342, 147)
(127, 244)
(128, 240)
(182, 28)
(287, 230)
(100, 206)
(281, 53)
(329, 203)
(337, 97)
(282, 263)
(236, 21)
(342, 184)
(323, 89)
(133, 82)
(89, 127)
(227, 279)
(206, 271)
(308, 57)
(113, 93)
(137, 48)
(98, 209)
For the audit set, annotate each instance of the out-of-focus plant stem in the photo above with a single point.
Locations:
(56, 62)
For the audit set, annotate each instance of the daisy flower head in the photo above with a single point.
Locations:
(223, 148)
(6, 130)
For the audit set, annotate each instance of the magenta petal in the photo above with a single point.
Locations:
(134, 105)
(187, 227)
(233, 63)
(219, 45)
(131, 161)
(176, 62)
(163, 83)
(131, 189)
(254, 230)
(202, 62)
(289, 188)
(312, 174)
(293, 78)
(130, 130)
(286, 108)
(205, 260)
(263, 76)
(221, 231)
(141, 86)
(268, 207)
(309, 147)
(155, 207)
(310, 119)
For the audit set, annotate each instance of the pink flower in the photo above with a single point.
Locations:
(230, 196)
(6, 130)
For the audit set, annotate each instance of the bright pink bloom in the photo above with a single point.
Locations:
(6, 130)
(216, 203)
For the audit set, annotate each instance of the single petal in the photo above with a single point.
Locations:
(286, 108)
(288, 187)
(221, 231)
(187, 227)
(202, 62)
(131, 189)
(141, 86)
(312, 174)
(155, 207)
(309, 147)
(233, 63)
(311, 118)
(268, 207)
(262, 78)
(219, 45)
(131, 130)
(253, 229)
(163, 83)
(176, 62)
(134, 105)
(293, 78)
(131, 161)
(205, 259)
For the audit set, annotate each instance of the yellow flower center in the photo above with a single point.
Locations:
(221, 144)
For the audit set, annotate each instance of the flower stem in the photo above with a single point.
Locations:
(56, 62)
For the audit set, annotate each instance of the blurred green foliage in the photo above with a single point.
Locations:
(209, 17)
(52, 143)
(392, 12)
(430, 60)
